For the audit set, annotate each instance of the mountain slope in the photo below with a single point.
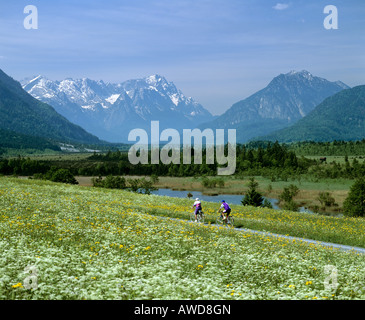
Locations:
(339, 117)
(288, 98)
(110, 111)
(14, 140)
(21, 113)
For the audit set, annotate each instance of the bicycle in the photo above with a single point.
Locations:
(229, 221)
(199, 217)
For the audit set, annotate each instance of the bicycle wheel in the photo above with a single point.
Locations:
(201, 217)
(230, 221)
(219, 220)
(192, 217)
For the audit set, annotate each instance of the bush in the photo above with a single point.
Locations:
(267, 204)
(62, 175)
(289, 193)
(109, 182)
(291, 206)
(326, 200)
(287, 196)
(141, 185)
(354, 205)
(212, 183)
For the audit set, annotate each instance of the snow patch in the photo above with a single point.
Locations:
(175, 99)
(112, 98)
(88, 107)
(36, 78)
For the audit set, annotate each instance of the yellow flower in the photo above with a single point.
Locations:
(18, 285)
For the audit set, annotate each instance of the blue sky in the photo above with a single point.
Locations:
(217, 51)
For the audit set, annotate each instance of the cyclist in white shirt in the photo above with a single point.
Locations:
(198, 206)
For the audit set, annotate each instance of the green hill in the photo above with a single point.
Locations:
(21, 113)
(339, 117)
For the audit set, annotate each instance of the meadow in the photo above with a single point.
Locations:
(91, 243)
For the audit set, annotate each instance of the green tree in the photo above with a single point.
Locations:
(354, 205)
(252, 197)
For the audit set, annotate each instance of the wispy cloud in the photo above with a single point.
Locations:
(281, 6)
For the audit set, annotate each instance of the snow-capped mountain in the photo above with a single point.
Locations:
(110, 110)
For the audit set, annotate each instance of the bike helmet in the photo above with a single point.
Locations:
(197, 199)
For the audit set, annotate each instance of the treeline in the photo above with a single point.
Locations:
(335, 148)
(268, 159)
(271, 160)
(23, 166)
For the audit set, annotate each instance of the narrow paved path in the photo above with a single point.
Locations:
(316, 242)
(321, 243)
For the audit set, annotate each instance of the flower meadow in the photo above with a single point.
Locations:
(69, 242)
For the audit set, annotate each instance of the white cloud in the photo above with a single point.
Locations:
(281, 6)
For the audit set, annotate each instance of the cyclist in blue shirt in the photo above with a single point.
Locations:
(226, 209)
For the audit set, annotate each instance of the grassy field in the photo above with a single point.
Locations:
(90, 243)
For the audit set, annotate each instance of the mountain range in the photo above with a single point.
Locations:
(339, 117)
(285, 100)
(22, 115)
(295, 106)
(110, 111)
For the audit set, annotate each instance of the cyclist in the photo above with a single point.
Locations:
(198, 207)
(226, 210)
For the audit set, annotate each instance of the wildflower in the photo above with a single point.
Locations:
(18, 285)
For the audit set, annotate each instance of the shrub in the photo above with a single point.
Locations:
(287, 196)
(354, 205)
(326, 200)
(63, 175)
